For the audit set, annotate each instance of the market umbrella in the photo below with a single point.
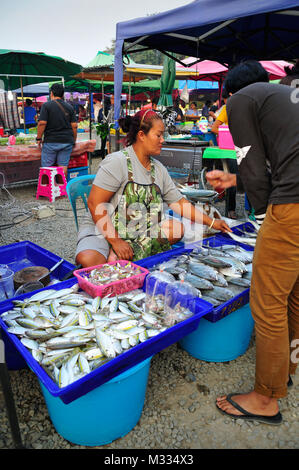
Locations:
(19, 68)
(167, 82)
(31, 66)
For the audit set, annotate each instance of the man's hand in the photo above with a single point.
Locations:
(122, 249)
(221, 180)
(219, 224)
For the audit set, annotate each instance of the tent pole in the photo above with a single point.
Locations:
(21, 81)
(129, 104)
(89, 111)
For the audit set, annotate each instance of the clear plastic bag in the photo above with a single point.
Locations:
(179, 303)
(155, 285)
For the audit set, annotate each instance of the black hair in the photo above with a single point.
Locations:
(292, 74)
(28, 102)
(244, 74)
(208, 103)
(193, 102)
(131, 125)
(225, 94)
(57, 90)
(155, 100)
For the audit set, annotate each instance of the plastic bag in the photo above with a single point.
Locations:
(155, 285)
(185, 93)
(179, 302)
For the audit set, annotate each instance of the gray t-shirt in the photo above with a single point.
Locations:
(112, 175)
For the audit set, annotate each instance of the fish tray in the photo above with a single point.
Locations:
(217, 313)
(239, 300)
(113, 288)
(115, 366)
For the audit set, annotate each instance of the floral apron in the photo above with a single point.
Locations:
(138, 216)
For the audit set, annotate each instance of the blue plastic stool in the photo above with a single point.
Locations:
(103, 414)
(79, 187)
(223, 340)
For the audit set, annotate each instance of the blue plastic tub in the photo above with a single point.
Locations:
(105, 413)
(114, 367)
(222, 341)
(22, 255)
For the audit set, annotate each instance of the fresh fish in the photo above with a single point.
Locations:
(105, 343)
(30, 343)
(245, 240)
(221, 281)
(201, 270)
(62, 343)
(214, 261)
(83, 364)
(211, 300)
(221, 293)
(196, 281)
(239, 281)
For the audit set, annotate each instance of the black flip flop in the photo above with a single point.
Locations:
(274, 420)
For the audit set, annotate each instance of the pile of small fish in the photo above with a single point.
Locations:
(217, 273)
(108, 273)
(70, 333)
(245, 236)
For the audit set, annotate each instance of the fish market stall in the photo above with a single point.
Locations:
(20, 163)
(85, 348)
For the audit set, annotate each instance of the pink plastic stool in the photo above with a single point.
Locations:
(51, 189)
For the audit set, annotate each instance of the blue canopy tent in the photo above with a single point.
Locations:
(224, 31)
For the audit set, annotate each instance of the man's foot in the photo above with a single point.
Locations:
(252, 402)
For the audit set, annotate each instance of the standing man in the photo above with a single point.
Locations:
(58, 125)
(263, 119)
(30, 114)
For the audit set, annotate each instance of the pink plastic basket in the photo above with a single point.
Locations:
(113, 288)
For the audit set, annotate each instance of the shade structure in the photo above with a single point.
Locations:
(167, 82)
(32, 66)
(212, 70)
(223, 31)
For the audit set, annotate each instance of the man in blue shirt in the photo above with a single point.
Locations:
(30, 114)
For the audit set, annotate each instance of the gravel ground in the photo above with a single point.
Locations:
(179, 410)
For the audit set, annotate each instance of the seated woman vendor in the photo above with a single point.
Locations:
(126, 200)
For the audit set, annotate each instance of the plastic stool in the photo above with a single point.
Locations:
(51, 189)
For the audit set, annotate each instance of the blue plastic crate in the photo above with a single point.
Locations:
(75, 172)
(114, 367)
(217, 313)
(25, 254)
(22, 255)
(239, 300)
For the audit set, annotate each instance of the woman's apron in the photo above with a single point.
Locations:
(137, 218)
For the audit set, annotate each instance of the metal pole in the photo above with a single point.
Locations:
(21, 81)
(10, 404)
(89, 108)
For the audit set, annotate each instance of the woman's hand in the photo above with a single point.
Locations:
(219, 224)
(122, 249)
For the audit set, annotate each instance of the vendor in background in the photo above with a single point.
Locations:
(82, 115)
(232, 164)
(30, 114)
(57, 129)
(213, 110)
(267, 148)
(192, 112)
(97, 105)
(133, 179)
(178, 110)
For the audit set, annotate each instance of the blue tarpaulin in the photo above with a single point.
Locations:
(224, 31)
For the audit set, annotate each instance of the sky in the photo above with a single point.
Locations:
(73, 29)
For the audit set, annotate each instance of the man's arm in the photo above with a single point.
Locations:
(41, 126)
(243, 120)
(74, 129)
